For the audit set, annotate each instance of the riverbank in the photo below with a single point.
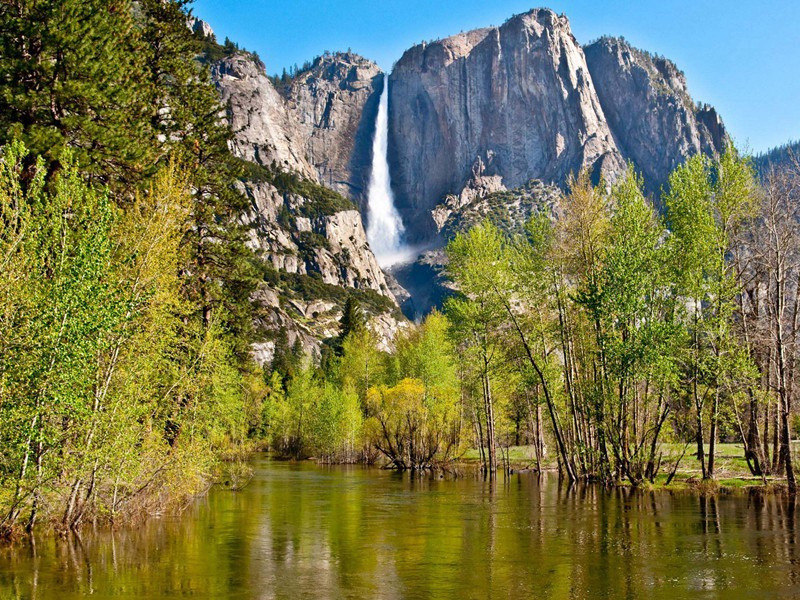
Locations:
(168, 491)
(732, 472)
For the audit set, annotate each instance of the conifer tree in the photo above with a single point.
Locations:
(70, 77)
(220, 273)
(352, 320)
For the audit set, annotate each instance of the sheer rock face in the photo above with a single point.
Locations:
(311, 129)
(647, 105)
(320, 124)
(520, 92)
(471, 116)
(264, 130)
(334, 104)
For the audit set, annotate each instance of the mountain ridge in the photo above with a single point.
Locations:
(471, 116)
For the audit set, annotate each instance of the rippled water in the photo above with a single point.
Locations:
(302, 531)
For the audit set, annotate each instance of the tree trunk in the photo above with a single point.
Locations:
(490, 437)
(712, 436)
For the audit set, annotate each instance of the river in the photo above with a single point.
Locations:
(305, 531)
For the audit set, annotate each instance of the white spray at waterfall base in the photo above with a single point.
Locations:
(384, 226)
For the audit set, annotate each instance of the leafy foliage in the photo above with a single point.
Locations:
(110, 393)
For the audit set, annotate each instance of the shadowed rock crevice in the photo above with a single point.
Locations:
(360, 165)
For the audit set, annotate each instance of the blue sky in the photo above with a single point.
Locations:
(742, 57)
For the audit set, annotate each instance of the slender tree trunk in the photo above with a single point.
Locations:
(765, 440)
(490, 436)
(712, 436)
(479, 433)
(783, 394)
(37, 494)
(777, 457)
(699, 430)
(698, 402)
(562, 448)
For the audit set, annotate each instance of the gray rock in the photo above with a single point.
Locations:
(478, 186)
(472, 116)
(264, 130)
(319, 125)
(333, 246)
(655, 122)
(200, 27)
(521, 92)
(314, 129)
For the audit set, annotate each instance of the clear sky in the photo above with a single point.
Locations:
(743, 57)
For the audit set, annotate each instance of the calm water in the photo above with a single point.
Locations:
(301, 531)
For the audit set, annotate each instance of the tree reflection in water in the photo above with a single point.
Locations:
(299, 530)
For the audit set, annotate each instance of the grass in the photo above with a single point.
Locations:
(731, 470)
(521, 455)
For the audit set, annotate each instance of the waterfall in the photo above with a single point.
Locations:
(384, 225)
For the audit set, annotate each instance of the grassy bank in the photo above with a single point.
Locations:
(732, 472)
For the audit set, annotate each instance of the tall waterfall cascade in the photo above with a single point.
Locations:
(384, 226)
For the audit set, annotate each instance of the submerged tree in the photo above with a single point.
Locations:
(109, 395)
(707, 205)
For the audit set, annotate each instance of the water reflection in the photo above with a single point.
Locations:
(304, 531)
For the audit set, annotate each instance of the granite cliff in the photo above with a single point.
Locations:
(529, 102)
(519, 97)
(318, 124)
(495, 116)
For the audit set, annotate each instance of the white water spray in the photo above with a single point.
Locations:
(384, 225)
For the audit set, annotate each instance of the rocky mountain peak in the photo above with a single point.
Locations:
(538, 21)
(646, 102)
(521, 91)
(264, 130)
(334, 103)
(200, 27)
(661, 72)
(347, 69)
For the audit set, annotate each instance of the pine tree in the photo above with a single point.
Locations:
(352, 320)
(220, 271)
(70, 77)
(118, 83)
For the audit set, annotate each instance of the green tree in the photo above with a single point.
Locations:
(353, 319)
(362, 364)
(707, 204)
(220, 274)
(634, 311)
(112, 398)
(71, 77)
(477, 312)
